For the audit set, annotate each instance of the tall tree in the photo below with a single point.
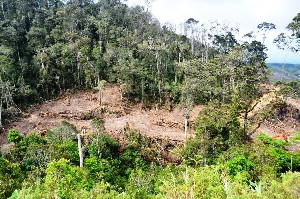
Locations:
(290, 40)
(264, 28)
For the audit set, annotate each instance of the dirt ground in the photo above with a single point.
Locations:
(117, 115)
(155, 122)
(288, 123)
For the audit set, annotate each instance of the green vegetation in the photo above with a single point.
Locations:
(80, 44)
(49, 47)
(48, 168)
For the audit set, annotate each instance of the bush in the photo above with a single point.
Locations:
(187, 182)
(64, 131)
(217, 129)
(14, 136)
(288, 188)
(103, 146)
(192, 153)
(271, 141)
(103, 170)
(241, 166)
(67, 150)
(98, 123)
(140, 184)
(64, 179)
(11, 177)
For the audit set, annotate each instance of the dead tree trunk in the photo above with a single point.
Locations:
(186, 127)
(80, 151)
(1, 92)
(0, 110)
(101, 87)
(246, 127)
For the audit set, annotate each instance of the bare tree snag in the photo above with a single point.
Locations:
(80, 151)
(1, 108)
(101, 87)
(186, 126)
(122, 89)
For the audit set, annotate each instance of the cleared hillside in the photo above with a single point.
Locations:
(79, 109)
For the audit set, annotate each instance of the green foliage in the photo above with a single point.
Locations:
(10, 177)
(217, 129)
(289, 187)
(140, 184)
(290, 89)
(64, 45)
(66, 180)
(242, 171)
(291, 39)
(103, 146)
(24, 148)
(64, 131)
(67, 150)
(187, 182)
(14, 136)
(104, 170)
(284, 159)
(240, 165)
(98, 123)
(271, 141)
(295, 138)
(192, 151)
(265, 166)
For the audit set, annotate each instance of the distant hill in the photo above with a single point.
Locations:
(284, 72)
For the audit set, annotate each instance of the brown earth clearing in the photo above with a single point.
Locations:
(79, 109)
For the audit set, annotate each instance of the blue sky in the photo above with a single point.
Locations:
(244, 14)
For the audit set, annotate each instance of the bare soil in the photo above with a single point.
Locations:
(285, 119)
(117, 115)
(152, 122)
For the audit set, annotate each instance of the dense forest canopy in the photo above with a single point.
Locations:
(48, 47)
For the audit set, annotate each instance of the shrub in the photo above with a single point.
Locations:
(64, 179)
(67, 150)
(98, 123)
(11, 177)
(140, 184)
(64, 131)
(192, 152)
(14, 136)
(103, 146)
(288, 188)
(240, 165)
(187, 182)
(217, 130)
(103, 170)
(271, 141)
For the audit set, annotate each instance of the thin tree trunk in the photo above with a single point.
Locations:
(80, 151)
(143, 90)
(100, 96)
(159, 78)
(2, 7)
(1, 108)
(186, 127)
(245, 127)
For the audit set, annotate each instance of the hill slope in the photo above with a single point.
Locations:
(284, 72)
(79, 108)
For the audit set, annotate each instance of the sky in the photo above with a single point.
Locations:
(243, 14)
